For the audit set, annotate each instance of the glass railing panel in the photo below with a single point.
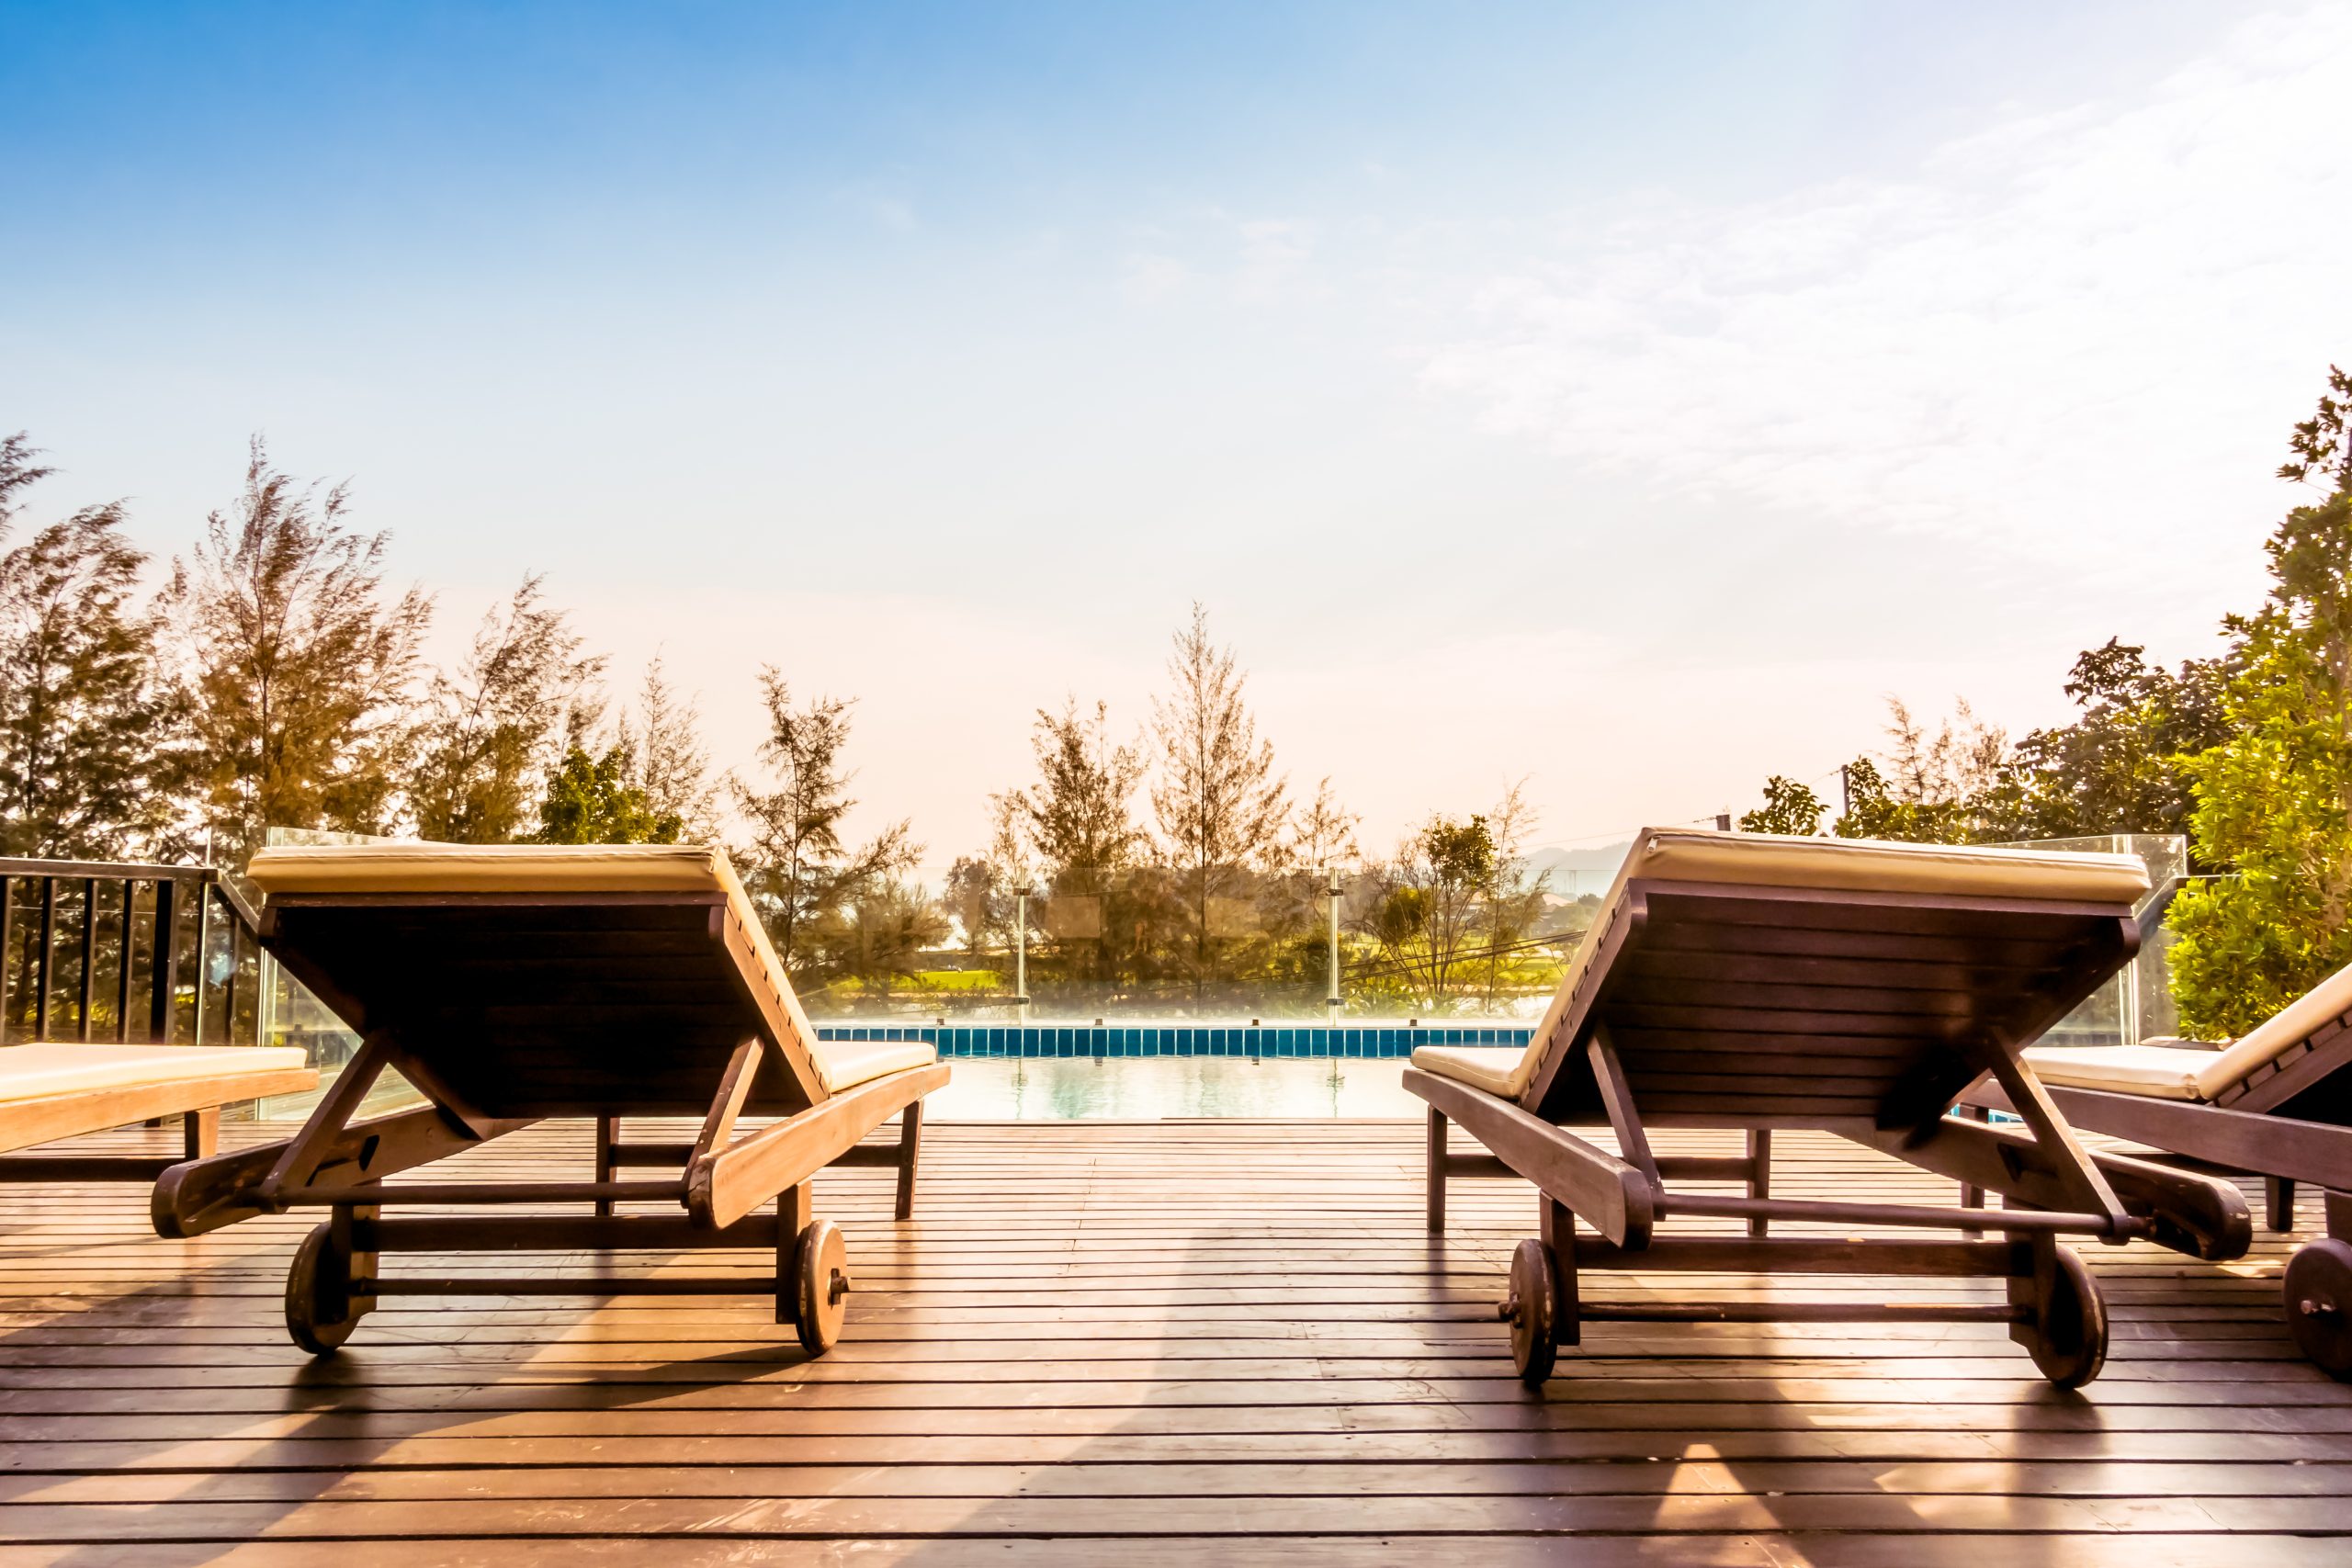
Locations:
(2137, 1004)
(292, 1015)
(1155, 943)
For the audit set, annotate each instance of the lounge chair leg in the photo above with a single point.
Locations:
(608, 1134)
(1760, 1175)
(2278, 1202)
(2338, 1207)
(1437, 1171)
(793, 1214)
(910, 1151)
(201, 1134)
(1970, 1195)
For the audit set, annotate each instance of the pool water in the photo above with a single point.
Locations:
(1123, 1090)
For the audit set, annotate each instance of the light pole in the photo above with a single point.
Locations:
(1331, 1001)
(1021, 952)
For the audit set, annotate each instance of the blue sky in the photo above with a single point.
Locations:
(1623, 398)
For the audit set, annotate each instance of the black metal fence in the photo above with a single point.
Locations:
(107, 951)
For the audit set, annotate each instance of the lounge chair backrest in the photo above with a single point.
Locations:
(546, 980)
(2317, 1015)
(1819, 978)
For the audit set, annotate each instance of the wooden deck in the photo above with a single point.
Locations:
(1188, 1343)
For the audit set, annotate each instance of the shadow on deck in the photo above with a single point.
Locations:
(1202, 1342)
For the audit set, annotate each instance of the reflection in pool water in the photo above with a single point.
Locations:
(1078, 1088)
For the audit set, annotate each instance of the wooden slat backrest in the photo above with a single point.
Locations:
(552, 1004)
(1812, 1005)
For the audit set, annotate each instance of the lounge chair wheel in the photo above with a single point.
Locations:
(2069, 1343)
(1533, 1310)
(2319, 1303)
(821, 1285)
(319, 1313)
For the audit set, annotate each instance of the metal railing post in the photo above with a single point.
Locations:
(48, 951)
(7, 948)
(89, 957)
(163, 996)
(203, 953)
(122, 964)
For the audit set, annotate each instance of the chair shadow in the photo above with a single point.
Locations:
(1470, 1409)
(324, 1397)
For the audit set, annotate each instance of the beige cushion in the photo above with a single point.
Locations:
(40, 1071)
(1871, 865)
(2289, 1027)
(1496, 1069)
(2194, 1071)
(847, 1063)
(1856, 865)
(2158, 1072)
(416, 867)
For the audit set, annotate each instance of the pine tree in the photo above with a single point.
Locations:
(84, 767)
(1076, 817)
(798, 867)
(296, 664)
(1220, 807)
(1323, 833)
(668, 760)
(495, 725)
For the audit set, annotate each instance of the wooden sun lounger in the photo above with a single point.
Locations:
(2276, 1103)
(515, 983)
(53, 1090)
(1745, 981)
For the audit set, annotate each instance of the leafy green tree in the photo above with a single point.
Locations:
(798, 867)
(879, 936)
(2322, 445)
(1422, 910)
(296, 664)
(1513, 896)
(1935, 785)
(589, 800)
(2123, 766)
(2274, 800)
(85, 764)
(1789, 807)
(495, 723)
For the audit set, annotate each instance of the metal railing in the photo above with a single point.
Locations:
(116, 951)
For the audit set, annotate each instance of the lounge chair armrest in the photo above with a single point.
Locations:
(724, 1186)
(201, 1195)
(1606, 1192)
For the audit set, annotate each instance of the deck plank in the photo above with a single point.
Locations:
(1203, 1342)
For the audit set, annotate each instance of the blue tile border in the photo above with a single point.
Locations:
(1280, 1041)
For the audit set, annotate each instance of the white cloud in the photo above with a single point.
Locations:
(1244, 261)
(1148, 278)
(2056, 336)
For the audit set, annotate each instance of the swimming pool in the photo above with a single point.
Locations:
(1279, 1040)
(1145, 1071)
(1100, 1089)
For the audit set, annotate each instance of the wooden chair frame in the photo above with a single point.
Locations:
(718, 1182)
(2269, 1126)
(2054, 1186)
